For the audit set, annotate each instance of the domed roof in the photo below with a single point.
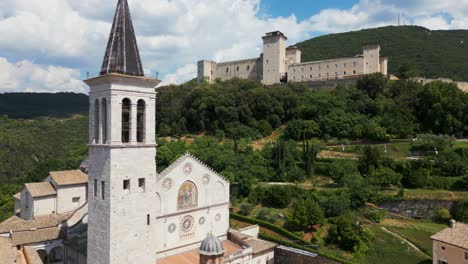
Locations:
(211, 246)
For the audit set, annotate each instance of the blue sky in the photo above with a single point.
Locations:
(301, 8)
(49, 45)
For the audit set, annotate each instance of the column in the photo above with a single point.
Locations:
(101, 115)
(133, 123)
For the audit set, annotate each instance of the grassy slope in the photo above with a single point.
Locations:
(436, 53)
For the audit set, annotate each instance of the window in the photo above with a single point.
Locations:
(354, 63)
(311, 76)
(336, 74)
(310, 68)
(466, 255)
(237, 68)
(294, 70)
(336, 65)
(344, 73)
(141, 107)
(75, 201)
(302, 69)
(148, 218)
(328, 66)
(227, 69)
(126, 112)
(126, 184)
(320, 75)
(104, 120)
(95, 188)
(302, 77)
(103, 190)
(354, 71)
(141, 184)
(248, 67)
(96, 121)
(211, 72)
(442, 247)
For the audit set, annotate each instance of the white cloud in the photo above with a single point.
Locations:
(174, 34)
(182, 74)
(25, 76)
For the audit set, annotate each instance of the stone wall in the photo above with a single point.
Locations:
(284, 255)
(416, 208)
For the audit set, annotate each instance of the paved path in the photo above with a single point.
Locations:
(406, 241)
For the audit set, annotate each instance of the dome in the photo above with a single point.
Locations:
(211, 246)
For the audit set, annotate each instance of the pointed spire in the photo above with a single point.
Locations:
(122, 55)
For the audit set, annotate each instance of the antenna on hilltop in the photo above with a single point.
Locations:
(398, 19)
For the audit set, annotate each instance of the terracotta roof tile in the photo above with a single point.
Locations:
(33, 236)
(192, 256)
(8, 253)
(32, 255)
(40, 189)
(69, 177)
(16, 223)
(457, 235)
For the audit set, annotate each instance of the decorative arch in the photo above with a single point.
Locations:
(96, 121)
(141, 124)
(220, 192)
(187, 196)
(126, 114)
(104, 120)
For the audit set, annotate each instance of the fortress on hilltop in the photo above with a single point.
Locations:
(281, 64)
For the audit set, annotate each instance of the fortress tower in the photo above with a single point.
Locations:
(274, 57)
(122, 150)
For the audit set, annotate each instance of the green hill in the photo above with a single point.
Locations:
(434, 53)
(31, 105)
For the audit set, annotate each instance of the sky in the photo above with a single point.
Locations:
(51, 45)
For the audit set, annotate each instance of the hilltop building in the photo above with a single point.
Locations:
(451, 244)
(117, 209)
(281, 64)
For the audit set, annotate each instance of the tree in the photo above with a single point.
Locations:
(371, 158)
(406, 71)
(384, 177)
(298, 216)
(373, 84)
(348, 235)
(339, 169)
(461, 211)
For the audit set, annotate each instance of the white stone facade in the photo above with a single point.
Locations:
(280, 64)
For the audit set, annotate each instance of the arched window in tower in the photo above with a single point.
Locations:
(96, 121)
(104, 120)
(187, 196)
(141, 120)
(126, 112)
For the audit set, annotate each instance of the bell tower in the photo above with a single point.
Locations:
(122, 151)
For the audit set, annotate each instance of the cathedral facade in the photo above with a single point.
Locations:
(117, 209)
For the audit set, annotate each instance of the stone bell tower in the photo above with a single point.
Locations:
(122, 151)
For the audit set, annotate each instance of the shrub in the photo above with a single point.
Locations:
(245, 208)
(376, 215)
(442, 214)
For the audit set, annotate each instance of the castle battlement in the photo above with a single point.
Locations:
(279, 64)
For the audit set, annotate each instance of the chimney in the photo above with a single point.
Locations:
(452, 223)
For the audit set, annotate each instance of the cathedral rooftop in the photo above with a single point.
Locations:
(70, 177)
(40, 189)
(122, 54)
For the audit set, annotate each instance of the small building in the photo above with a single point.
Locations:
(451, 244)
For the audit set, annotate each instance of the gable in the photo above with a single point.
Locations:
(189, 184)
